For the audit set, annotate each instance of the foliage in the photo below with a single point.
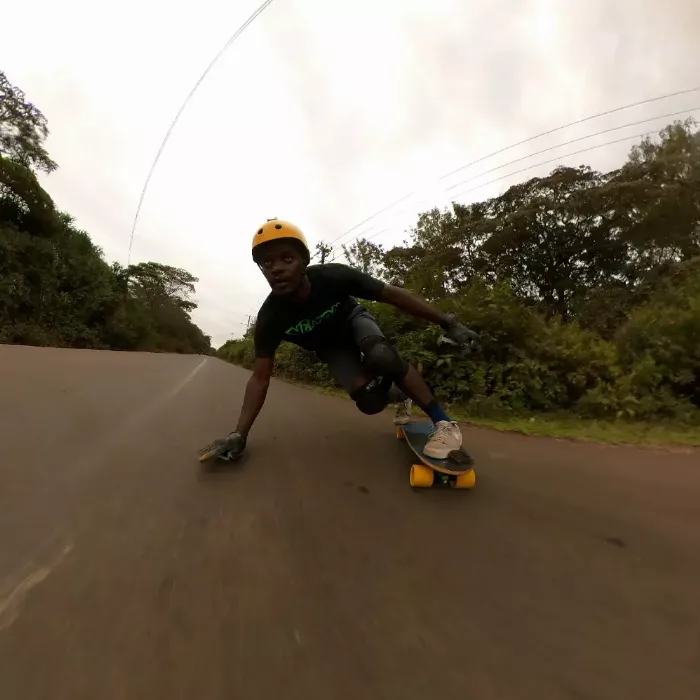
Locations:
(365, 256)
(55, 286)
(660, 343)
(23, 129)
(584, 285)
(291, 362)
(322, 251)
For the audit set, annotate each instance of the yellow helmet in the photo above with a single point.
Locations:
(277, 229)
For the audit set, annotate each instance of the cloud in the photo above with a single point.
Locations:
(321, 112)
(467, 79)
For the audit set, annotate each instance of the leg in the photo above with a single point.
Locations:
(382, 358)
(345, 364)
(368, 392)
(447, 436)
(414, 385)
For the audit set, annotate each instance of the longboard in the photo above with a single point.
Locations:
(457, 470)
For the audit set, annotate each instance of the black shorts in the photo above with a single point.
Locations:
(344, 360)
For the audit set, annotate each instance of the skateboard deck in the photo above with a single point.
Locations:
(457, 469)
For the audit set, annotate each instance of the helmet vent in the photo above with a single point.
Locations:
(278, 226)
(260, 232)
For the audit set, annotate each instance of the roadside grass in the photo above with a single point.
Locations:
(569, 427)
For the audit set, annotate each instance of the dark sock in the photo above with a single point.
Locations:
(436, 412)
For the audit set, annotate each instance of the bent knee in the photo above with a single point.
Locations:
(371, 398)
(382, 358)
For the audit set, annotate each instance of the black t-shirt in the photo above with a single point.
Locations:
(321, 320)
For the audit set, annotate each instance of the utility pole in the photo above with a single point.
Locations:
(323, 250)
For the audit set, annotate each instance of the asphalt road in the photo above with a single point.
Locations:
(312, 569)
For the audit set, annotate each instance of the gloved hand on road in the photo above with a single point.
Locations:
(228, 449)
(459, 334)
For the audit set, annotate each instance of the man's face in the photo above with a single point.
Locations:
(282, 266)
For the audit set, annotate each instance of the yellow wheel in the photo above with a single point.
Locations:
(421, 476)
(465, 481)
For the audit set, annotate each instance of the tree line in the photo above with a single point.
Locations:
(584, 285)
(55, 286)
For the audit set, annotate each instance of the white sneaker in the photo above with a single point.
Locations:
(447, 437)
(403, 412)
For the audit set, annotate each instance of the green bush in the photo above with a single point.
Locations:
(584, 285)
(660, 344)
(530, 364)
(55, 287)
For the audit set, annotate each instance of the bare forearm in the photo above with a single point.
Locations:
(255, 393)
(411, 304)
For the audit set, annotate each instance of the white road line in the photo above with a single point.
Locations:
(11, 603)
(118, 434)
(181, 385)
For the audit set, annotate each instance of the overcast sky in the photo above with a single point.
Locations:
(323, 112)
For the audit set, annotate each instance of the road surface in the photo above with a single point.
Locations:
(312, 569)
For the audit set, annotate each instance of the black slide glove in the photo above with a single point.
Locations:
(228, 449)
(458, 334)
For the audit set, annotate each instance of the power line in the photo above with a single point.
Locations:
(578, 121)
(530, 167)
(553, 160)
(381, 211)
(228, 43)
(430, 255)
(545, 150)
(524, 141)
(566, 143)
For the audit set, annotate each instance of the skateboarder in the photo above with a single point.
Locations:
(315, 307)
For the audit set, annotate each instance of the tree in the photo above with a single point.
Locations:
(323, 251)
(365, 256)
(583, 284)
(55, 286)
(660, 188)
(24, 203)
(660, 342)
(549, 237)
(157, 283)
(23, 129)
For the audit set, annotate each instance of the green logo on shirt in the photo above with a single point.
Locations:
(308, 324)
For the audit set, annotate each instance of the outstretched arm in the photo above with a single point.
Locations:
(255, 393)
(366, 287)
(457, 333)
(412, 304)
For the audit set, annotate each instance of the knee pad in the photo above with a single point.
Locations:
(371, 398)
(382, 358)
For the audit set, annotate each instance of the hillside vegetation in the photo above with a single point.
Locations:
(584, 285)
(55, 286)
